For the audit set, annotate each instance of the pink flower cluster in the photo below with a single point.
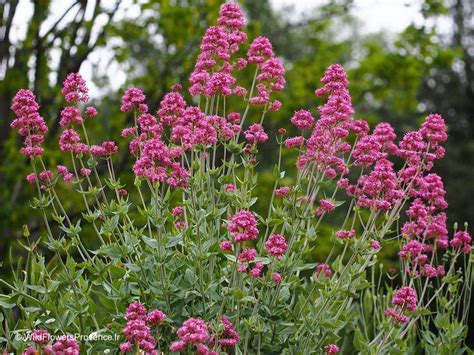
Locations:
(462, 240)
(172, 107)
(276, 277)
(230, 16)
(271, 73)
(260, 50)
(193, 332)
(177, 211)
(276, 245)
(196, 129)
(385, 135)
(70, 114)
(45, 178)
(41, 338)
(374, 244)
(327, 142)
(247, 256)
(331, 349)
(255, 134)
(138, 331)
(346, 234)
(225, 129)
(229, 337)
(283, 191)
(383, 187)
(91, 111)
(226, 245)
(157, 163)
(415, 251)
(434, 130)
(133, 97)
(64, 172)
(426, 223)
(69, 141)
(398, 317)
(66, 344)
(189, 128)
(294, 142)
(29, 123)
(74, 88)
(323, 269)
(422, 147)
(303, 120)
(212, 73)
(325, 206)
(431, 271)
(155, 317)
(107, 148)
(256, 270)
(367, 151)
(406, 300)
(230, 187)
(378, 190)
(243, 226)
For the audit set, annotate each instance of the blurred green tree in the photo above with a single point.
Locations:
(27, 63)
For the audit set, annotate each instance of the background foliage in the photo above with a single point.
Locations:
(398, 79)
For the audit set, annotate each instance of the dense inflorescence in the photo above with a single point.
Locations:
(29, 123)
(183, 235)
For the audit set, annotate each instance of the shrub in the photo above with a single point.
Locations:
(181, 263)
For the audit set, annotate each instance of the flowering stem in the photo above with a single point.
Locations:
(94, 168)
(252, 87)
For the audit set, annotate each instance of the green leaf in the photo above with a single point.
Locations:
(72, 230)
(37, 288)
(173, 241)
(360, 342)
(112, 251)
(91, 216)
(6, 302)
(339, 203)
(153, 243)
(230, 257)
(275, 222)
